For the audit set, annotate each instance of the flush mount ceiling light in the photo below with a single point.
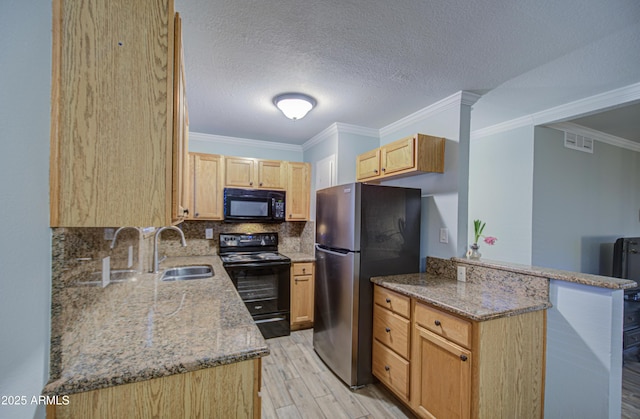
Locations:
(294, 105)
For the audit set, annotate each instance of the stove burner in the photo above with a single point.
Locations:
(252, 257)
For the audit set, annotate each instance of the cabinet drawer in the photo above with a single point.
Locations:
(391, 369)
(391, 300)
(392, 330)
(453, 328)
(305, 268)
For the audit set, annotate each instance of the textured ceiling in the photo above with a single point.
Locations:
(368, 63)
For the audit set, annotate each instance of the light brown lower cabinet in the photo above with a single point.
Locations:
(302, 293)
(459, 368)
(226, 391)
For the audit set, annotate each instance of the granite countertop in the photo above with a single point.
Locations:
(475, 301)
(549, 273)
(300, 257)
(148, 328)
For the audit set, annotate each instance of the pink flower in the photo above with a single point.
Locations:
(490, 240)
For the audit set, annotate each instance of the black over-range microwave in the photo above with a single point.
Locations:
(254, 205)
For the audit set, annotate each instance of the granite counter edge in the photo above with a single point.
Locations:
(555, 274)
(397, 287)
(64, 386)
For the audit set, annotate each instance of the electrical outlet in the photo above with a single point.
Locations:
(108, 233)
(462, 274)
(444, 235)
(208, 233)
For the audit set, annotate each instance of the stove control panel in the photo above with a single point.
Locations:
(249, 240)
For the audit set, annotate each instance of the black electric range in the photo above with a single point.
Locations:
(262, 277)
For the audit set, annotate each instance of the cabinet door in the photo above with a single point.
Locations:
(239, 171)
(180, 194)
(271, 174)
(302, 293)
(111, 113)
(207, 187)
(298, 191)
(397, 156)
(441, 373)
(368, 165)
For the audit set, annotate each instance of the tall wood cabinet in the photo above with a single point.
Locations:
(112, 113)
(298, 191)
(204, 187)
(180, 160)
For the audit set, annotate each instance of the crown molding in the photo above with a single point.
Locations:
(325, 134)
(455, 100)
(581, 107)
(523, 121)
(337, 128)
(221, 139)
(358, 130)
(603, 137)
(591, 104)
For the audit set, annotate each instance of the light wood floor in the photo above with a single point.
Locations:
(297, 384)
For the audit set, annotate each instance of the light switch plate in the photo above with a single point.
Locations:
(444, 235)
(462, 274)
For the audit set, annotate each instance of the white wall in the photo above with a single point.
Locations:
(444, 195)
(25, 249)
(241, 147)
(501, 193)
(350, 145)
(583, 377)
(582, 202)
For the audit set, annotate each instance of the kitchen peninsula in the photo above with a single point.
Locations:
(120, 351)
(569, 321)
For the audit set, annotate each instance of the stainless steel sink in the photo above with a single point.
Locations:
(183, 273)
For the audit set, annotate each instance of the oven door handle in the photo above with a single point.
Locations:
(270, 320)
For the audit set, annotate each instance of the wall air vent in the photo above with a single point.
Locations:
(578, 142)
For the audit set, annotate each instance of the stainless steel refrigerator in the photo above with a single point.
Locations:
(362, 230)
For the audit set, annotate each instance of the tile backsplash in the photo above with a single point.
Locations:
(75, 246)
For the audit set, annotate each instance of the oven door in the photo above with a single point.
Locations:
(264, 288)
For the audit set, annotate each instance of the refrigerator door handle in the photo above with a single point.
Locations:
(331, 252)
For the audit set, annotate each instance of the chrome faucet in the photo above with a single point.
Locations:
(139, 230)
(156, 264)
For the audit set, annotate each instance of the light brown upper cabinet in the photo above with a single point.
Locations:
(298, 191)
(204, 187)
(112, 113)
(245, 172)
(416, 154)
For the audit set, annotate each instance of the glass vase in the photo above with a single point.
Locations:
(474, 252)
